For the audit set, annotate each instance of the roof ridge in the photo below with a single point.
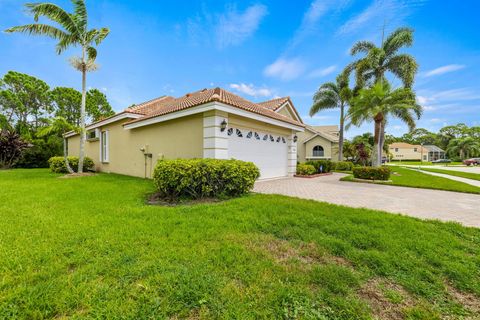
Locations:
(138, 106)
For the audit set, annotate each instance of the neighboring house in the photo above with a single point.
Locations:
(406, 151)
(210, 123)
(318, 142)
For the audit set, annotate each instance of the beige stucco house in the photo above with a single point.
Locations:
(406, 151)
(318, 143)
(210, 123)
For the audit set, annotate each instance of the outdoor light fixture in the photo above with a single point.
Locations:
(223, 125)
(295, 138)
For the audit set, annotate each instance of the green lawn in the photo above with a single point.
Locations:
(410, 178)
(468, 175)
(91, 248)
(425, 163)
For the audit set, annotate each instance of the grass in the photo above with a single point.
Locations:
(468, 175)
(405, 177)
(91, 248)
(425, 163)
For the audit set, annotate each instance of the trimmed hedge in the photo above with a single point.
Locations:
(305, 169)
(204, 178)
(344, 166)
(321, 166)
(372, 173)
(57, 164)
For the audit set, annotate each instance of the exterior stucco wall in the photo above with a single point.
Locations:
(318, 141)
(179, 138)
(406, 154)
(246, 123)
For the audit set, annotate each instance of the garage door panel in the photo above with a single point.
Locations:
(269, 156)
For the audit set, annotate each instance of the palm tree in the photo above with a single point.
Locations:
(378, 60)
(465, 147)
(332, 95)
(378, 103)
(59, 126)
(75, 32)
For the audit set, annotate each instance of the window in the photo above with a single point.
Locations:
(318, 151)
(396, 149)
(415, 149)
(104, 146)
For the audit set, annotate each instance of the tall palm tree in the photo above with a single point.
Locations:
(372, 67)
(75, 32)
(59, 126)
(464, 147)
(378, 103)
(332, 95)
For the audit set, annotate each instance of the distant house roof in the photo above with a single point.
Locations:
(164, 105)
(326, 132)
(433, 148)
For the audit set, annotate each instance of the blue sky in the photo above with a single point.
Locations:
(260, 50)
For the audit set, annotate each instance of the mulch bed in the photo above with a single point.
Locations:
(313, 175)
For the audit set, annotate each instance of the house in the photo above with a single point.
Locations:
(406, 151)
(318, 142)
(210, 123)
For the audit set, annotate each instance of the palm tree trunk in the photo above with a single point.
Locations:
(340, 138)
(65, 156)
(377, 151)
(83, 134)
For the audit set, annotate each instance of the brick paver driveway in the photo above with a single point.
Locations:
(421, 203)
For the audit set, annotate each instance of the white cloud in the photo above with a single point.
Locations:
(443, 70)
(392, 11)
(285, 69)
(316, 10)
(322, 72)
(235, 27)
(251, 90)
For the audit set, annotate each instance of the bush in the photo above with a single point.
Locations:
(39, 152)
(204, 178)
(372, 173)
(321, 166)
(57, 164)
(344, 166)
(305, 169)
(12, 146)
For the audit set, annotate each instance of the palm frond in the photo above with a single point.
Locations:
(101, 35)
(67, 41)
(91, 53)
(81, 14)
(324, 100)
(329, 86)
(54, 13)
(404, 67)
(362, 46)
(402, 37)
(39, 29)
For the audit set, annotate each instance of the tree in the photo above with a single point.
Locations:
(59, 126)
(378, 103)
(67, 103)
(463, 147)
(24, 99)
(332, 95)
(448, 133)
(420, 136)
(377, 61)
(74, 33)
(98, 107)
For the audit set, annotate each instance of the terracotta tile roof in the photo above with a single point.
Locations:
(165, 105)
(274, 104)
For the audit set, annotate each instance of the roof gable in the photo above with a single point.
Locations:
(164, 105)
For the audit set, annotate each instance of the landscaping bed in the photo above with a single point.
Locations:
(315, 175)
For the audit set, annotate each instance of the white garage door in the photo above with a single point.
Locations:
(268, 151)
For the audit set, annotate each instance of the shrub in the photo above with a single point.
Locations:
(321, 166)
(372, 173)
(344, 166)
(305, 169)
(39, 152)
(204, 178)
(57, 164)
(12, 146)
